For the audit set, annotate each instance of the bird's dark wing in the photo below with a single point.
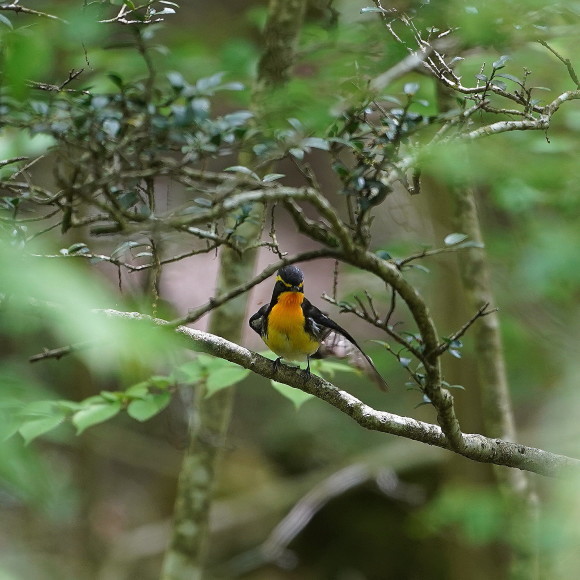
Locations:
(258, 321)
(322, 326)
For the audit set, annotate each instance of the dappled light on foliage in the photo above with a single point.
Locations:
(161, 161)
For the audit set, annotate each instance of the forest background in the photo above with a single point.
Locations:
(113, 113)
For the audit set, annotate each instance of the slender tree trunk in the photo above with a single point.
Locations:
(498, 417)
(497, 407)
(210, 418)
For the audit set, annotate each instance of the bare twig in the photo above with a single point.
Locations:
(58, 353)
(483, 311)
(16, 7)
(5, 162)
(72, 75)
(428, 253)
(275, 246)
(363, 315)
(566, 61)
(197, 313)
(391, 308)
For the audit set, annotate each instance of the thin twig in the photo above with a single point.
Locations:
(197, 313)
(387, 321)
(15, 7)
(346, 307)
(58, 353)
(274, 246)
(566, 62)
(5, 162)
(483, 311)
(428, 253)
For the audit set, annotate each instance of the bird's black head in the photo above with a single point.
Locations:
(290, 279)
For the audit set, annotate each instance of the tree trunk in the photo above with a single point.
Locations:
(210, 418)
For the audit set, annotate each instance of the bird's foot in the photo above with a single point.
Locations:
(307, 371)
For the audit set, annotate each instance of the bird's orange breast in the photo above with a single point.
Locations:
(286, 335)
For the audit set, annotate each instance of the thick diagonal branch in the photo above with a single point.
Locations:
(476, 447)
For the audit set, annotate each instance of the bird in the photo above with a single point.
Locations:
(294, 329)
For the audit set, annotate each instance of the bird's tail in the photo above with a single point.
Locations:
(336, 345)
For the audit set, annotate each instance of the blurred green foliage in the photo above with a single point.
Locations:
(529, 202)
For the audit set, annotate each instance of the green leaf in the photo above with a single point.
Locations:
(144, 409)
(124, 247)
(5, 21)
(244, 170)
(193, 370)
(209, 83)
(316, 142)
(95, 414)
(138, 390)
(419, 267)
(500, 62)
(330, 367)
(39, 408)
(411, 89)
(202, 202)
(296, 124)
(383, 255)
(471, 244)
(176, 80)
(272, 177)
(8, 428)
(161, 381)
(370, 9)
(239, 117)
(296, 396)
(297, 153)
(30, 430)
(453, 239)
(510, 78)
(78, 248)
(391, 99)
(224, 377)
(234, 86)
(116, 80)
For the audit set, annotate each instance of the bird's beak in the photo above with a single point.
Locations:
(296, 289)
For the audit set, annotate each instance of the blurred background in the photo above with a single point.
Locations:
(303, 493)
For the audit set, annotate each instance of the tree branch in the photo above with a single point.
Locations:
(15, 7)
(476, 447)
(58, 353)
(196, 314)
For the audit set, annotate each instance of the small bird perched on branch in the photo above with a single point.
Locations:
(293, 328)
